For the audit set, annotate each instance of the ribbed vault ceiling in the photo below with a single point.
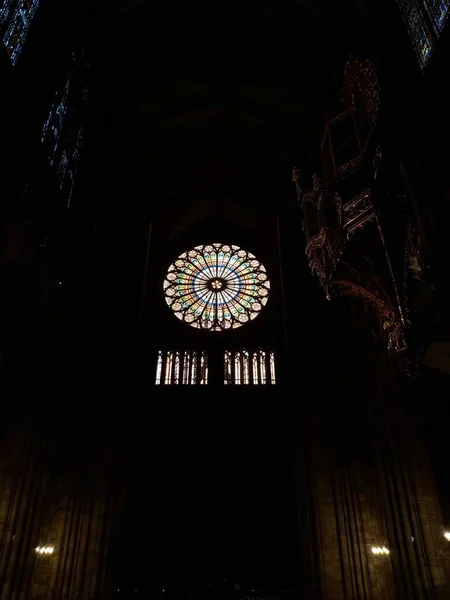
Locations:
(196, 96)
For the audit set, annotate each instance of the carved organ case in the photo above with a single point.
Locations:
(357, 224)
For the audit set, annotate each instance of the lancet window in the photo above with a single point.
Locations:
(16, 17)
(181, 367)
(249, 367)
(63, 132)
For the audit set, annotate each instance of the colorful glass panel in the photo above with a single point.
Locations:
(419, 29)
(17, 28)
(63, 136)
(438, 11)
(216, 287)
(55, 122)
(5, 10)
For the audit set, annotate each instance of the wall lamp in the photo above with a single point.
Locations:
(41, 550)
(380, 550)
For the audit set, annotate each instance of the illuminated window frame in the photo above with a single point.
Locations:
(182, 367)
(249, 367)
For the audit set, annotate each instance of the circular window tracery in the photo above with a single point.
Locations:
(216, 287)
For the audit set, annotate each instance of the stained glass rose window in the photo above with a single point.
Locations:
(216, 287)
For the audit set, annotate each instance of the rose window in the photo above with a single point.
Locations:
(216, 287)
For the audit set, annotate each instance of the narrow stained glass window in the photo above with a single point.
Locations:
(62, 167)
(159, 368)
(262, 367)
(16, 18)
(228, 375)
(237, 368)
(176, 376)
(63, 133)
(194, 368)
(5, 10)
(272, 368)
(181, 368)
(255, 367)
(246, 366)
(51, 132)
(168, 369)
(203, 369)
(186, 362)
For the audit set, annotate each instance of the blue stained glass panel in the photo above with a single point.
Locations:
(438, 11)
(418, 28)
(62, 133)
(62, 167)
(55, 121)
(17, 28)
(5, 10)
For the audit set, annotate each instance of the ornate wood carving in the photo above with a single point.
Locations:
(361, 74)
(324, 252)
(348, 246)
(358, 212)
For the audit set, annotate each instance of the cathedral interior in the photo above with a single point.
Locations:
(225, 300)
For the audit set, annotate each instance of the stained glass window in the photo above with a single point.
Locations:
(16, 18)
(272, 367)
(425, 20)
(63, 133)
(55, 121)
(181, 368)
(438, 11)
(216, 287)
(5, 10)
(69, 181)
(418, 28)
(62, 167)
(246, 366)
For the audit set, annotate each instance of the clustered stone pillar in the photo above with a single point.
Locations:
(371, 487)
(72, 505)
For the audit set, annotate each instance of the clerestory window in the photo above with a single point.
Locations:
(16, 17)
(181, 367)
(249, 367)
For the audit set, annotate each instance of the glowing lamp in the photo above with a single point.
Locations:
(44, 550)
(380, 550)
